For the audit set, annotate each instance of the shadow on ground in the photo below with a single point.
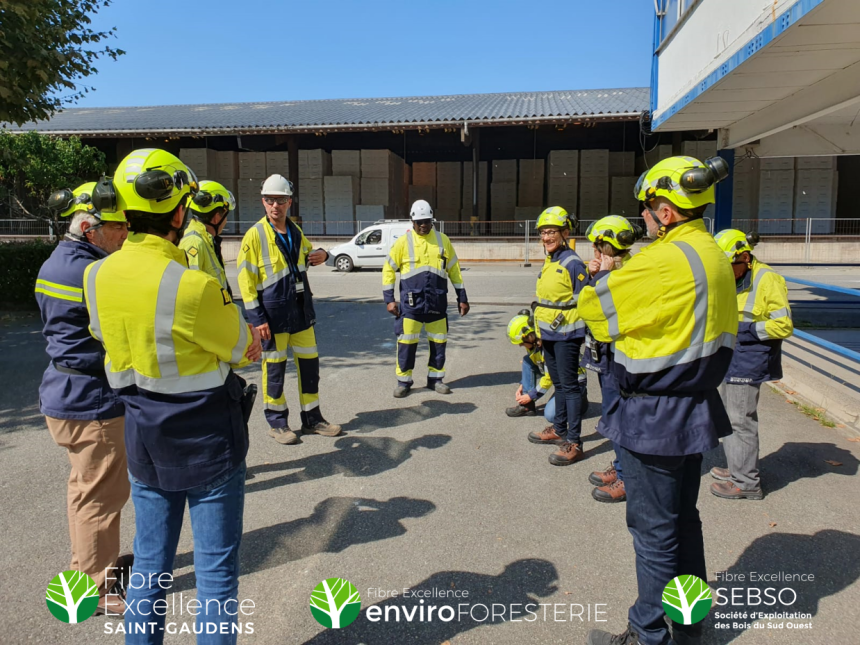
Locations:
(336, 524)
(353, 457)
(518, 584)
(831, 556)
(396, 417)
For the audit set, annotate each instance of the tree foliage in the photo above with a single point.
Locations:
(46, 47)
(33, 165)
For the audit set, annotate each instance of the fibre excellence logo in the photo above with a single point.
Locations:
(335, 603)
(687, 599)
(72, 597)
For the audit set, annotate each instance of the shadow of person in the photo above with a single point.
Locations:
(353, 457)
(830, 556)
(487, 379)
(516, 586)
(336, 524)
(396, 417)
(793, 462)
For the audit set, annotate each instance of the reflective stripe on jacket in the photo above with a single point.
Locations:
(199, 247)
(267, 280)
(558, 287)
(171, 337)
(765, 320)
(669, 313)
(85, 395)
(425, 262)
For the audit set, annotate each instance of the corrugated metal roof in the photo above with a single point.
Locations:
(350, 114)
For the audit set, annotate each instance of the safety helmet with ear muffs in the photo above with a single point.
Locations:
(147, 180)
(520, 326)
(80, 200)
(615, 230)
(734, 242)
(557, 216)
(211, 197)
(686, 182)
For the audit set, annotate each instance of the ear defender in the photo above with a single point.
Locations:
(104, 195)
(697, 180)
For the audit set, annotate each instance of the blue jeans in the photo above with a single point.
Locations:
(608, 390)
(562, 362)
(531, 376)
(216, 523)
(667, 534)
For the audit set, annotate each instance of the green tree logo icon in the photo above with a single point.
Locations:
(687, 599)
(72, 597)
(335, 603)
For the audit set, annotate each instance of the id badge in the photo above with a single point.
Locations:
(557, 322)
(300, 286)
(411, 301)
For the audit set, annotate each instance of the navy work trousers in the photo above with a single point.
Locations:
(562, 361)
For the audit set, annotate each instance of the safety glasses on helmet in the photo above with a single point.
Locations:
(276, 200)
(154, 185)
(204, 199)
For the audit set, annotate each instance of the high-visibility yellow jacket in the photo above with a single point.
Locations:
(764, 321)
(597, 356)
(171, 336)
(670, 315)
(268, 278)
(425, 262)
(545, 382)
(199, 246)
(558, 287)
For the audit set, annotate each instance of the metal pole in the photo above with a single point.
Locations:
(808, 239)
(526, 262)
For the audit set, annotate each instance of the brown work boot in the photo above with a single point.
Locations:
(322, 427)
(727, 490)
(603, 477)
(567, 454)
(284, 436)
(611, 493)
(723, 474)
(547, 435)
(110, 605)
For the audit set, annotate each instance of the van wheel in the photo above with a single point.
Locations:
(343, 263)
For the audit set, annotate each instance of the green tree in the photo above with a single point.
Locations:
(335, 603)
(46, 47)
(72, 597)
(33, 165)
(687, 599)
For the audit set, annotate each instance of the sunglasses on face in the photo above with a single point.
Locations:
(276, 200)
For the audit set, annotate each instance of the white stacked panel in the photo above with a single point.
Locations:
(653, 157)
(593, 197)
(815, 163)
(563, 179)
(745, 176)
(201, 160)
(622, 201)
(775, 201)
(278, 163)
(777, 163)
(622, 164)
(369, 212)
(252, 165)
(814, 198)
(503, 200)
(346, 163)
(593, 163)
(314, 164)
(312, 200)
(505, 171)
(248, 200)
(226, 166)
(340, 196)
(424, 173)
(448, 190)
(527, 213)
(427, 193)
(531, 181)
(382, 174)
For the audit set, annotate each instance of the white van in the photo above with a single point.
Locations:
(368, 249)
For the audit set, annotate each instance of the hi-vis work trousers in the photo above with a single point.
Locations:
(304, 346)
(408, 333)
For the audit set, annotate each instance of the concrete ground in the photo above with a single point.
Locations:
(441, 494)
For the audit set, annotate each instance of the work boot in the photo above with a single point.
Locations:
(600, 637)
(439, 387)
(727, 490)
(723, 474)
(528, 410)
(320, 426)
(610, 493)
(547, 435)
(284, 435)
(603, 477)
(567, 454)
(401, 390)
(110, 605)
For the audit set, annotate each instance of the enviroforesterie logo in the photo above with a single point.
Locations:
(335, 603)
(72, 596)
(687, 599)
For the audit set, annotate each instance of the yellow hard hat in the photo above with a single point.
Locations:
(80, 200)
(148, 180)
(734, 242)
(556, 216)
(614, 229)
(212, 196)
(686, 182)
(520, 326)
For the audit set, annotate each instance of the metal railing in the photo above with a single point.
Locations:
(29, 228)
(815, 340)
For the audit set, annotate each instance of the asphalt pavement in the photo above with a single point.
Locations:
(441, 494)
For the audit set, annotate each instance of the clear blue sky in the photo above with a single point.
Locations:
(208, 51)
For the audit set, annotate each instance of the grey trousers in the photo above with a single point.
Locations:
(741, 401)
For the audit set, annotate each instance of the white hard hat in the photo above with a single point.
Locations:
(421, 210)
(277, 185)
